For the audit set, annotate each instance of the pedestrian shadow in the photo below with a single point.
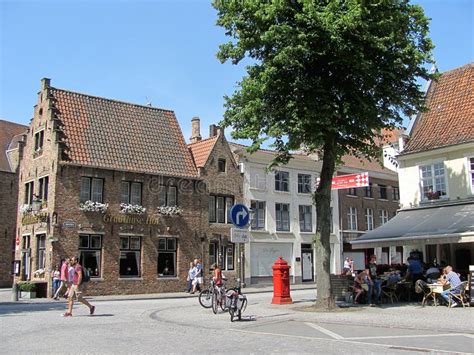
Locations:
(17, 308)
(97, 315)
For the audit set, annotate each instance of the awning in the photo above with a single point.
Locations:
(450, 223)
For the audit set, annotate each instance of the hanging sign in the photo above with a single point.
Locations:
(349, 181)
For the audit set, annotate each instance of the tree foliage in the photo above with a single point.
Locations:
(327, 75)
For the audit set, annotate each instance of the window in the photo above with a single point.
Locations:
(383, 216)
(304, 183)
(369, 217)
(43, 188)
(258, 179)
(212, 254)
(433, 184)
(368, 191)
(352, 191)
(131, 193)
(385, 255)
(39, 139)
(29, 187)
(306, 223)
(471, 173)
(92, 189)
(168, 196)
(257, 215)
(41, 251)
(383, 192)
(221, 165)
(229, 256)
(167, 257)
(395, 193)
(130, 248)
(219, 208)
(282, 181)
(90, 253)
(352, 218)
(282, 216)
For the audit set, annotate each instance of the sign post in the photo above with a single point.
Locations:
(240, 217)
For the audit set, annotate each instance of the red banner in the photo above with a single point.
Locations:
(349, 181)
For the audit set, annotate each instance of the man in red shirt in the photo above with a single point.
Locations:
(75, 289)
(64, 284)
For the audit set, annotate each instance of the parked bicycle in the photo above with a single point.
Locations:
(205, 296)
(236, 303)
(211, 293)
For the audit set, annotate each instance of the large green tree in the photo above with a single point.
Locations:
(325, 75)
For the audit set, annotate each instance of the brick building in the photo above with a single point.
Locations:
(11, 135)
(115, 184)
(220, 172)
(366, 208)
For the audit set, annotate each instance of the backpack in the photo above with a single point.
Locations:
(86, 275)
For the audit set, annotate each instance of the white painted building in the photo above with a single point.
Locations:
(283, 219)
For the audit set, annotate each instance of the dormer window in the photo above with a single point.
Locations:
(39, 139)
(221, 165)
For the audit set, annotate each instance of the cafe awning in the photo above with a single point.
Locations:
(441, 224)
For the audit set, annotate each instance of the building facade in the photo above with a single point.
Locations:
(114, 184)
(11, 136)
(437, 178)
(283, 216)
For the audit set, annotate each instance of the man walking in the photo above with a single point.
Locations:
(64, 279)
(76, 289)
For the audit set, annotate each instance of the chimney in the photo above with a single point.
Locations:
(45, 83)
(195, 130)
(213, 130)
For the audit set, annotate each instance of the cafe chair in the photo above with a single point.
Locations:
(389, 291)
(422, 287)
(459, 296)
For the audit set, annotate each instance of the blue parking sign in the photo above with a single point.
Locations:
(239, 215)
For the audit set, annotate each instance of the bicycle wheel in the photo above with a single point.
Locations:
(205, 298)
(214, 302)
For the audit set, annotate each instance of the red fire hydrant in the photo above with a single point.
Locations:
(281, 282)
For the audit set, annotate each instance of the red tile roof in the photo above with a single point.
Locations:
(364, 164)
(201, 150)
(8, 130)
(450, 118)
(116, 135)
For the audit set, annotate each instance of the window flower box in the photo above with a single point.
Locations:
(90, 206)
(432, 195)
(131, 209)
(170, 210)
(25, 209)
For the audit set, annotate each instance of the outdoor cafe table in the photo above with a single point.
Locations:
(435, 290)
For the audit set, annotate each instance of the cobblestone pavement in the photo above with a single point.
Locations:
(176, 323)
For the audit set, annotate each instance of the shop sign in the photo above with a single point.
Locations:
(130, 219)
(69, 224)
(349, 181)
(34, 218)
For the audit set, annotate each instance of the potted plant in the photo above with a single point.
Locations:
(91, 206)
(131, 209)
(432, 195)
(27, 289)
(169, 210)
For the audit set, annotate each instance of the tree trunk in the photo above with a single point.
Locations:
(322, 199)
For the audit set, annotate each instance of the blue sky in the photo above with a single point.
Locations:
(158, 51)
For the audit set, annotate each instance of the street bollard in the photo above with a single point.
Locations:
(15, 292)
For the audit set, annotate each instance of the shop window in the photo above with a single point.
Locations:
(383, 192)
(282, 216)
(306, 220)
(369, 217)
(282, 181)
(131, 193)
(168, 196)
(130, 261)
(471, 173)
(221, 165)
(26, 258)
(41, 251)
(91, 189)
(29, 187)
(212, 254)
(43, 188)
(167, 248)
(229, 257)
(257, 215)
(90, 253)
(352, 218)
(304, 183)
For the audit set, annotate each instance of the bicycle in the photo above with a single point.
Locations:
(205, 296)
(219, 297)
(236, 303)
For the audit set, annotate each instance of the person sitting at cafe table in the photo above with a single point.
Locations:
(359, 280)
(432, 274)
(376, 284)
(453, 280)
(393, 277)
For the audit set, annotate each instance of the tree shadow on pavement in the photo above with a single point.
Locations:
(17, 308)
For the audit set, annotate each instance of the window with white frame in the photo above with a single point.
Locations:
(130, 261)
(29, 191)
(306, 218)
(258, 179)
(219, 208)
(227, 260)
(90, 253)
(282, 216)
(166, 265)
(39, 139)
(304, 183)
(41, 251)
(168, 196)
(368, 191)
(282, 181)
(369, 218)
(131, 193)
(395, 193)
(383, 216)
(433, 182)
(91, 189)
(471, 173)
(257, 215)
(352, 218)
(43, 188)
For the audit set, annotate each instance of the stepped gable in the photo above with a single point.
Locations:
(110, 134)
(450, 116)
(10, 134)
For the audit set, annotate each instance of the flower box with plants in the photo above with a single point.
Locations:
(27, 289)
(432, 195)
(90, 206)
(131, 209)
(170, 210)
(25, 209)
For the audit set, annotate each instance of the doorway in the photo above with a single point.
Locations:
(307, 263)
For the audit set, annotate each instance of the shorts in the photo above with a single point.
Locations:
(197, 281)
(75, 292)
